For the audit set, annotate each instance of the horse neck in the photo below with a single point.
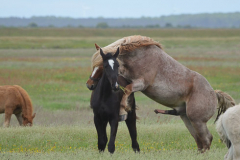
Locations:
(26, 102)
(105, 86)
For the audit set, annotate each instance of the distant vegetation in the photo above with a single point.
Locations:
(205, 20)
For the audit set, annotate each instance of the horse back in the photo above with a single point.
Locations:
(9, 97)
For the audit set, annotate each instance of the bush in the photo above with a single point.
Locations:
(32, 25)
(102, 25)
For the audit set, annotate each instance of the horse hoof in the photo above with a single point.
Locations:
(122, 117)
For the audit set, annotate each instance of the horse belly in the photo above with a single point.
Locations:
(2, 107)
(2, 110)
(164, 96)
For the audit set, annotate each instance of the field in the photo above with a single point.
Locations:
(53, 66)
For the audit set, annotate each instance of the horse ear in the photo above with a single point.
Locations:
(97, 46)
(117, 53)
(33, 115)
(102, 54)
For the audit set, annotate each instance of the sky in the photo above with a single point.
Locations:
(113, 9)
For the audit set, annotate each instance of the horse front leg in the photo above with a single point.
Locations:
(131, 124)
(136, 85)
(101, 131)
(114, 126)
(19, 118)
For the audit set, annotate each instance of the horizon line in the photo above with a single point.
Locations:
(120, 17)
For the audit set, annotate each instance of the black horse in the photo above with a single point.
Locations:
(105, 102)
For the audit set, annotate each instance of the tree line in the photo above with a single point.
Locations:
(214, 20)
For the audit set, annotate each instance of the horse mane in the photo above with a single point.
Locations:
(126, 45)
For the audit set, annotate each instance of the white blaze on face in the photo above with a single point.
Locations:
(94, 71)
(111, 63)
(116, 85)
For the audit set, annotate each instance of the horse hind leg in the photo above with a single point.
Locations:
(8, 114)
(203, 134)
(192, 130)
(199, 109)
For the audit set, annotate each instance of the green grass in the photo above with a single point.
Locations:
(20, 38)
(86, 32)
(53, 66)
(168, 141)
(89, 154)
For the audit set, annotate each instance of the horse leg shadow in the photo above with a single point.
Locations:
(101, 131)
(131, 124)
(114, 126)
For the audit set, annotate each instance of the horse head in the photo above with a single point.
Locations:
(28, 121)
(110, 67)
(94, 77)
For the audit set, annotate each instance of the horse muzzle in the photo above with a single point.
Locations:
(115, 87)
(91, 87)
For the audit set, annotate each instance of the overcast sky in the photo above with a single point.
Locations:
(113, 8)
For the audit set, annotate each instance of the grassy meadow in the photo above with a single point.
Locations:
(53, 65)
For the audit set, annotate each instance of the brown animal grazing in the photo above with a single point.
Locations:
(15, 100)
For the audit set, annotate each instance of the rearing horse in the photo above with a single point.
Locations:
(166, 81)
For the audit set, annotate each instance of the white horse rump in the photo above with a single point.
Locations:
(228, 127)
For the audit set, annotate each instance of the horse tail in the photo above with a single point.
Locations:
(27, 108)
(221, 131)
(224, 102)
